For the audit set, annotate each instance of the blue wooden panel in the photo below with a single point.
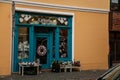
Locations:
(49, 36)
(57, 44)
(31, 40)
(50, 48)
(70, 44)
(15, 65)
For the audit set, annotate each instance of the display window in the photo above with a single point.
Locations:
(45, 37)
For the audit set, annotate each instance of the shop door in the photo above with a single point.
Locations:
(42, 50)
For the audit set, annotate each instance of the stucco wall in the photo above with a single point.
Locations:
(90, 33)
(101, 4)
(90, 37)
(91, 40)
(5, 39)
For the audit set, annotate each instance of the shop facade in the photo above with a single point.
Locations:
(47, 37)
(51, 31)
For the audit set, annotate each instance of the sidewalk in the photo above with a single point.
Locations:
(76, 75)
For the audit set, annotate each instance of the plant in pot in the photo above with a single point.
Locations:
(55, 66)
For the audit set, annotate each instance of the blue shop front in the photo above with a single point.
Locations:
(46, 37)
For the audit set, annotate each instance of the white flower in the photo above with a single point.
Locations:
(64, 19)
(22, 15)
(61, 21)
(21, 19)
(66, 22)
(54, 22)
(26, 18)
(29, 16)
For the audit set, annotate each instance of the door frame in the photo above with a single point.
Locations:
(48, 36)
(32, 35)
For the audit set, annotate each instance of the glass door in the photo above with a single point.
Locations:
(42, 50)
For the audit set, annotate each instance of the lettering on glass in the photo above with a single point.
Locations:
(45, 20)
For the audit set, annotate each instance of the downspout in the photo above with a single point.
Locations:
(13, 27)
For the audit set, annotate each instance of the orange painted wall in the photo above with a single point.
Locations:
(91, 40)
(101, 4)
(5, 39)
(90, 33)
(90, 37)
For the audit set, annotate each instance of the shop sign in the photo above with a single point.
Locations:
(44, 20)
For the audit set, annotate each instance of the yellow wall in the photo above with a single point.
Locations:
(5, 39)
(90, 33)
(101, 4)
(90, 38)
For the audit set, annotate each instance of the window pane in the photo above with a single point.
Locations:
(23, 43)
(44, 20)
(63, 49)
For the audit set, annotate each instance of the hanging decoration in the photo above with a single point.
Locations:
(41, 50)
(44, 20)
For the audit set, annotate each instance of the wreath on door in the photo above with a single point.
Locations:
(41, 50)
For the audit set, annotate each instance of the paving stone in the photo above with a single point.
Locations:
(76, 75)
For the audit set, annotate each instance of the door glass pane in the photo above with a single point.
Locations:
(41, 50)
(63, 47)
(41, 30)
(23, 43)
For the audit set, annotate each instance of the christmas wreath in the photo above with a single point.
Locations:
(41, 50)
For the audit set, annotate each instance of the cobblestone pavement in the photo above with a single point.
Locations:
(76, 75)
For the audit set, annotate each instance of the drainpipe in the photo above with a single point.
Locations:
(13, 26)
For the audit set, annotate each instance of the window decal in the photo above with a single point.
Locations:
(44, 20)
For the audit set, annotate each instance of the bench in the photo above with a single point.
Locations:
(68, 66)
(23, 66)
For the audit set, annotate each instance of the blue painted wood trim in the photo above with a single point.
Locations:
(69, 51)
(41, 25)
(70, 39)
(32, 40)
(70, 44)
(57, 44)
(31, 44)
(15, 65)
(51, 48)
(16, 18)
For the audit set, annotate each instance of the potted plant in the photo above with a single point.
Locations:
(55, 66)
